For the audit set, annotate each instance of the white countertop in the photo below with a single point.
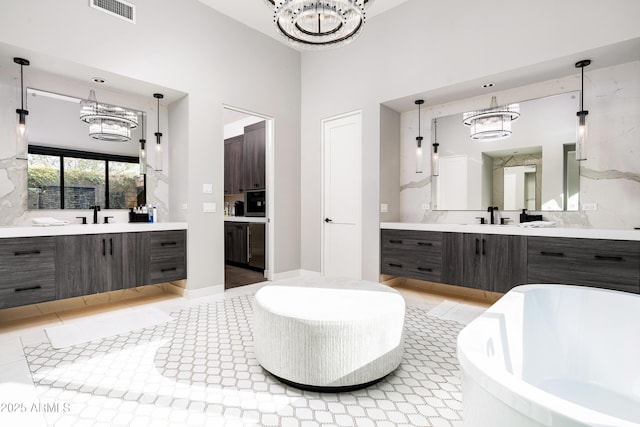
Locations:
(69, 229)
(580, 233)
(245, 219)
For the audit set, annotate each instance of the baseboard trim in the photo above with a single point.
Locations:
(294, 273)
(195, 293)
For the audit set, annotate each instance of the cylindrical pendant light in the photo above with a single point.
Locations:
(158, 134)
(22, 143)
(583, 130)
(419, 139)
(435, 157)
(143, 149)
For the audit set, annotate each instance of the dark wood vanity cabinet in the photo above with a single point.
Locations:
(610, 264)
(412, 254)
(89, 264)
(494, 262)
(27, 271)
(168, 256)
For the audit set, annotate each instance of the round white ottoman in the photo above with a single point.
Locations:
(328, 334)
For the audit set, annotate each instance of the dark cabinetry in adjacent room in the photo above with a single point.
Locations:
(254, 156)
(494, 262)
(245, 160)
(234, 165)
(27, 271)
(235, 242)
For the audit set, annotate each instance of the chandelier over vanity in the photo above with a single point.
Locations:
(491, 123)
(314, 24)
(107, 122)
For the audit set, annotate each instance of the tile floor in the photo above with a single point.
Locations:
(187, 373)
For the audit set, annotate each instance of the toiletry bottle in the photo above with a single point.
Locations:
(155, 213)
(150, 215)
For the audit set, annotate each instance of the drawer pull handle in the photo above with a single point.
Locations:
(164, 270)
(28, 288)
(399, 242)
(168, 243)
(608, 258)
(425, 244)
(395, 265)
(424, 269)
(34, 252)
(551, 253)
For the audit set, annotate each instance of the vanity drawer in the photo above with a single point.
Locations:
(168, 244)
(27, 293)
(412, 254)
(409, 240)
(397, 264)
(27, 261)
(611, 264)
(167, 270)
(168, 259)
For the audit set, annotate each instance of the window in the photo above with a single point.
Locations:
(70, 179)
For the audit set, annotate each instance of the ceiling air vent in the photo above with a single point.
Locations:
(119, 8)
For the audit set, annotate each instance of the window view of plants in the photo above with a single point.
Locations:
(59, 181)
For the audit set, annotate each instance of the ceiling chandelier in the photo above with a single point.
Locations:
(107, 122)
(492, 123)
(314, 24)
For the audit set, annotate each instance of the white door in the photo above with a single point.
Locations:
(342, 186)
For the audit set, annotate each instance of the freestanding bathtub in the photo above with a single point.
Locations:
(553, 355)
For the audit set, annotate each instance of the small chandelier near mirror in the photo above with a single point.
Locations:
(492, 123)
(419, 139)
(158, 135)
(107, 122)
(313, 24)
(582, 130)
(22, 144)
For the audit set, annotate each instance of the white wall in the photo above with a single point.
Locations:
(422, 46)
(185, 45)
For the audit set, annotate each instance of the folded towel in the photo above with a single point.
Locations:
(537, 224)
(47, 220)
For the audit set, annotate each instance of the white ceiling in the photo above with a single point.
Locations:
(258, 15)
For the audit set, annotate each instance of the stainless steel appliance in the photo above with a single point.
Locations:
(255, 203)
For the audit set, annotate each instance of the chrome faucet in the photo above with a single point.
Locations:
(491, 210)
(95, 208)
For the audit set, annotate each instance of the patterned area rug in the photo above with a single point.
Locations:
(200, 370)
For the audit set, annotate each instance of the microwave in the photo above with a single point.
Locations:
(255, 203)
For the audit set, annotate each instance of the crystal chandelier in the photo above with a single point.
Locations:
(492, 123)
(317, 24)
(107, 122)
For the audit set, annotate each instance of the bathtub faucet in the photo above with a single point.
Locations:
(491, 210)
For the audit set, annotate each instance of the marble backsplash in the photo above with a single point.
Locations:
(609, 178)
(13, 198)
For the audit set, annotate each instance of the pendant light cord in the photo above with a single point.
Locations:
(582, 89)
(21, 87)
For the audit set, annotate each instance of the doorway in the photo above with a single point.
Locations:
(342, 198)
(248, 197)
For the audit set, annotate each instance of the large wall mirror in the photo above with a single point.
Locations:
(534, 168)
(69, 169)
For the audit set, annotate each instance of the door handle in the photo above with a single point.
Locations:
(110, 246)
(104, 250)
(327, 220)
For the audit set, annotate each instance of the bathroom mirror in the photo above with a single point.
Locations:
(68, 169)
(531, 169)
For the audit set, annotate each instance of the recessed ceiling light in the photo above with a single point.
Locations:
(487, 85)
(99, 80)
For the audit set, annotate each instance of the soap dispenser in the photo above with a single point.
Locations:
(523, 216)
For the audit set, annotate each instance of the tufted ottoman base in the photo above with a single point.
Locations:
(328, 334)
